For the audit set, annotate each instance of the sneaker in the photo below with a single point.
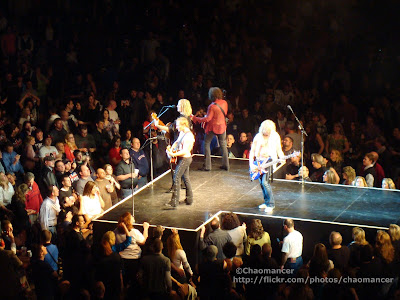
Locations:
(268, 209)
(170, 205)
(262, 206)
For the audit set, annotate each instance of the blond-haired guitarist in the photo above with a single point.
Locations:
(182, 149)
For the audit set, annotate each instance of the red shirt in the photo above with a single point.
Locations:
(114, 153)
(33, 198)
(215, 119)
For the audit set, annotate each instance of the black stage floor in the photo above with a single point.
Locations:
(220, 190)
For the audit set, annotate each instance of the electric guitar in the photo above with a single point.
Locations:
(172, 160)
(263, 165)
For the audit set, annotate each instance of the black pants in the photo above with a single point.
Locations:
(182, 170)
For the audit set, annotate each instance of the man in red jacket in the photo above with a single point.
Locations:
(215, 124)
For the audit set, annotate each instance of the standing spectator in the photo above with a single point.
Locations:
(155, 273)
(48, 177)
(52, 251)
(126, 174)
(292, 247)
(113, 154)
(257, 235)
(85, 141)
(105, 188)
(11, 160)
(140, 160)
(217, 237)
(70, 146)
(33, 198)
(369, 171)
(340, 255)
(58, 133)
(355, 247)
(91, 202)
(132, 254)
(178, 258)
(21, 218)
(319, 164)
(337, 140)
(231, 223)
(113, 181)
(49, 210)
(47, 149)
(44, 277)
(84, 177)
(6, 190)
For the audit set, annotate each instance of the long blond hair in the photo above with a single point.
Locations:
(173, 244)
(383, 245)
(186, 107)
(107, 242)
(359, 236)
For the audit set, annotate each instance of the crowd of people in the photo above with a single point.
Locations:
(79, 85)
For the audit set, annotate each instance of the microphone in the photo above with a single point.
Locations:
(170, 106)
(290, 108)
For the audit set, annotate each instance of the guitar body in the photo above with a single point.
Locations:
(263, 165)
(172, 160)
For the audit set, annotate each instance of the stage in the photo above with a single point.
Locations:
(219, 190)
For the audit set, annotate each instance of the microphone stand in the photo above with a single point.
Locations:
(303, 133)
(132, 187)
(163, 110)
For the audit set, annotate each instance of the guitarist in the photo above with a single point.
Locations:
(184, 108)
(215, 124)
(266, 145)
(181, 149)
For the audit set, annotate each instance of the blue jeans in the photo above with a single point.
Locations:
(267, 190)
(182, 171)
(294, 265)
(222, 144)
(141, 183)
(126, 193)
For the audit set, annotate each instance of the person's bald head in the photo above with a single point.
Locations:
(135, 144)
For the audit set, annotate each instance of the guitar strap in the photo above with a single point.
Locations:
(221, 110)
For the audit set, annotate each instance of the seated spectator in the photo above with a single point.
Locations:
(12, 161)
(44, 277)
(380, 173)
(355, 246)
(330, 176)
(217, 237)
(335, 161)
(231, 223)
(52, 251)
(319, 165)
(292, 169)
(109, 126)
(7, 235)
(387, 183)
(233, 150)
(340, 255)
(58, 133)
(359, 181)
(287, 145)
(349, 175)
(47, 149)
(131, 255)
(303, 171)
(257, 235)
(61, 151)
(179, 262)
(243, 144)
(33, 197)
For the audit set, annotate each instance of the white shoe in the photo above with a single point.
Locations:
(269, 209)
(262, 206)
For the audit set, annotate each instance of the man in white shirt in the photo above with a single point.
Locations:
(292, 248)
(49, 210)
